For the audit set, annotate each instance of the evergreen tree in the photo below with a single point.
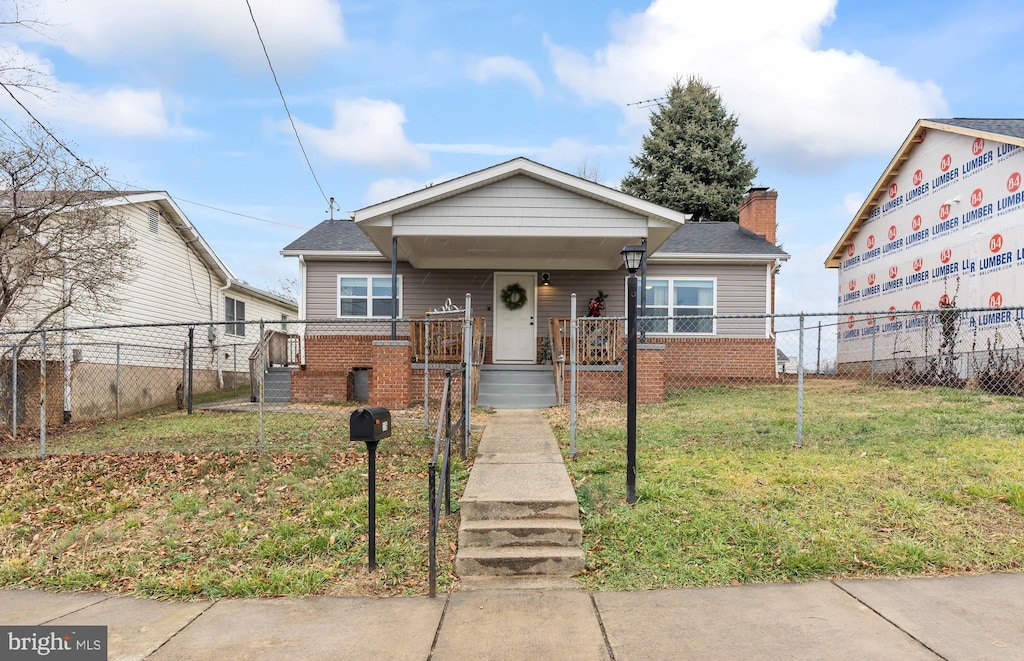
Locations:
(691, 159)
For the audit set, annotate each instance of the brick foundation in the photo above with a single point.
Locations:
(697, 361)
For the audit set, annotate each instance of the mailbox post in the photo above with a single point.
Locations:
(370, 425)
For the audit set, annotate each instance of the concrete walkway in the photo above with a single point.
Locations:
(519, 512)
(977, 617)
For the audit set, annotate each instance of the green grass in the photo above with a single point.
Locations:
(183, 524)
(887, 482)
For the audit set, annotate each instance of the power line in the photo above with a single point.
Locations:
(236, 213)
(286, 109)
(57, 140)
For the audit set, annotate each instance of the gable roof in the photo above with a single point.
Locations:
(510, 168)
(1010, 131)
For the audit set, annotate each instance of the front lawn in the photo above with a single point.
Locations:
(208, 516)
(888, 482)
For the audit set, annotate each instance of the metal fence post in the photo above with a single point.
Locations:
(191, 363)
(14, 392)
(261, 364)
(66, 359)
(432, 536)
(426, 374)
(800, 388)
(874, 336)
(467, 379)
(572, 377)
(42, 393)
(817, 365)
(117, 382)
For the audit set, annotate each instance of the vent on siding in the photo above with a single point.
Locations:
(154, 220)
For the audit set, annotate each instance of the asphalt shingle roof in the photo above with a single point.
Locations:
(340, 235)
(1010, 127)
(717, 239)
(691, 238)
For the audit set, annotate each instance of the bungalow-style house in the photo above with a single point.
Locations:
(522, 229)
(178, 279)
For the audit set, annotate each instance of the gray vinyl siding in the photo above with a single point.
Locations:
(740, 290)
(521, 202)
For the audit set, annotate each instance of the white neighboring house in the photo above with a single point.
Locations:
(178, 279)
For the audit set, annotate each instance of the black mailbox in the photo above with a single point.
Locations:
(370, 424)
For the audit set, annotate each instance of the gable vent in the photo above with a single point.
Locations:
(154, 221)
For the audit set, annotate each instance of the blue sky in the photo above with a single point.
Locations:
(388, 96)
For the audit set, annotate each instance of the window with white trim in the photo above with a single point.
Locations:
(681, 306)
(367, 296)
(234, 315)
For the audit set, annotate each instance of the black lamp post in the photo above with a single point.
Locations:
(631, 257)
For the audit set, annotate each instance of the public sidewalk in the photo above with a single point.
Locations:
(976, 617)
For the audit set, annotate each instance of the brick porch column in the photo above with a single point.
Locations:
(650, 373)
(391, 379)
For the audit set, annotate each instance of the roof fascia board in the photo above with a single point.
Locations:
(362, 255)
(717, 258)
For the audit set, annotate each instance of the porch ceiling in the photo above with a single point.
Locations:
(535, 249)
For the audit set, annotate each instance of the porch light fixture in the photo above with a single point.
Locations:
(632, 256)
(545, 279)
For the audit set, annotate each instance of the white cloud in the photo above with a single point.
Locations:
(386, 189)
(365, 132)
(122, 111)
(793, 99)
(506, 67)
(295, 31)
(852, 203)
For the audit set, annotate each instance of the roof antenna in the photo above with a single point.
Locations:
(333, 207)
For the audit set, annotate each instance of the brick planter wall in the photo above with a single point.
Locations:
(329, 359)
(392, 374)
(697, 361)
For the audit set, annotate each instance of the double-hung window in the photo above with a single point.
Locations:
(234, 315)
(367, 296)
(680, 306)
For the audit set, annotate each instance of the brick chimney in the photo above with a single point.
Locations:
(757, 212)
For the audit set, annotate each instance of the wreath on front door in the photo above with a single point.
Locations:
(513, 296)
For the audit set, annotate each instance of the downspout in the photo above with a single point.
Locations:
(220, 315)
(302, 311)
(394, 287)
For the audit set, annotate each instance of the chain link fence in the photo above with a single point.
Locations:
(232, 386)
(779, 373)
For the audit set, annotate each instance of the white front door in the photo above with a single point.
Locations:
(515, 331)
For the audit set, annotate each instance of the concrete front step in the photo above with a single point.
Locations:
(519, 561)
(520, 533)
(516, 387)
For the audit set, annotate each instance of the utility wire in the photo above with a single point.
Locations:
(286, 109)
(53, 137)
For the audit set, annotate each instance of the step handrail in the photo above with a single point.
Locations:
(443, 453)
